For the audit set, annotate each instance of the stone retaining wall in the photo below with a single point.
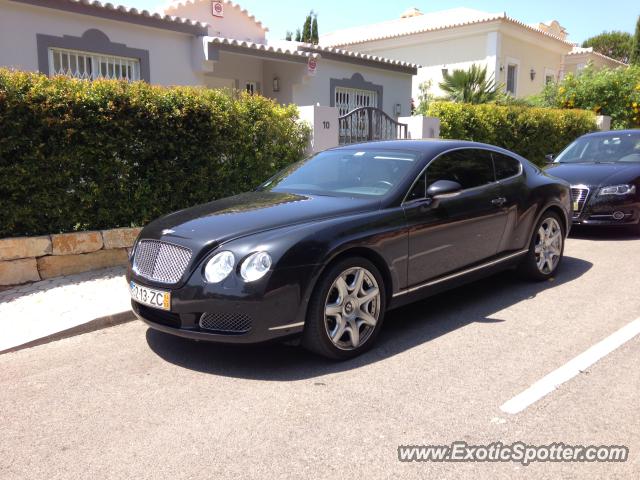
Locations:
(29, 259)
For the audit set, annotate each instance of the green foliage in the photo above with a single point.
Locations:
(531, 132)
(613, 92)
(306, 29)
(469, 86)
(612, 44)
(288, 36)
(634, 56)
(90, 155)
(424, 98)
(309, 32)
(315, 38)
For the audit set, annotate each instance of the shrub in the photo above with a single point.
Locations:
(613, 92)
(90, 155)
(530, 132)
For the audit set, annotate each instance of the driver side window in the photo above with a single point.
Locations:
(419, 190)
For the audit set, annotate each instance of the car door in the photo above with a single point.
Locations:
(450, 232)
(515, 191)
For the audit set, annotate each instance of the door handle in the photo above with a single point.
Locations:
(499, 201)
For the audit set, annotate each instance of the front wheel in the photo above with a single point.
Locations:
(545, 249)
(346, 310)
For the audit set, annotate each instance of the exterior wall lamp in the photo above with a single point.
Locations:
(532, 74)
(276, 84)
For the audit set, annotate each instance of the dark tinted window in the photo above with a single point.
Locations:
(469, 167)
(419, 190)
(505, 166)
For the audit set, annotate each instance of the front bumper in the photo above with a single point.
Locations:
(273, 310)
(607, 211)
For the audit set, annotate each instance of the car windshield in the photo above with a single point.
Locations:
(345, 173)
(613, 148)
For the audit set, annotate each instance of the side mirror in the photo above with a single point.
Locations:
(549, 158)
(442, 187)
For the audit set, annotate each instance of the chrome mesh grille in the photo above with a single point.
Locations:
(226, 322)
(579, 196)
(160, 262)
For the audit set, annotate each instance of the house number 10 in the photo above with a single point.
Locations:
(326, 125)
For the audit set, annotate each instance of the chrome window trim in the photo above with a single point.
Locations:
(415, 180)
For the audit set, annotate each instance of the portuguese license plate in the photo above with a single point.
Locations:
(151, 297)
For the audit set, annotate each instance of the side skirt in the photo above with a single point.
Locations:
(452, 280)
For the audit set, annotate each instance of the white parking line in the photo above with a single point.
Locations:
(570, 369)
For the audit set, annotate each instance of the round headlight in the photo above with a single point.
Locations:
(255, 266)
(219, 267)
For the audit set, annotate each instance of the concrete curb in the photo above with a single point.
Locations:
(90, 326)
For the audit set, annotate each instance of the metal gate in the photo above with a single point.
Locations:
(366, 124)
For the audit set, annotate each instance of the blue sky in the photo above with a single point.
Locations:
(581, 18)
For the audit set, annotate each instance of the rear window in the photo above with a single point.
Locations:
(505, 166)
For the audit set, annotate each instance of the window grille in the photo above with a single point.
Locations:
(348, 99)
(91, 66)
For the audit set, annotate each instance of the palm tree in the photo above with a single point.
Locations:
(469, 86)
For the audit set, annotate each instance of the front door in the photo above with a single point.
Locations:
(458, 230)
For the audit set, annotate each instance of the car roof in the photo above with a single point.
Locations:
(431, 146)
(612, 132)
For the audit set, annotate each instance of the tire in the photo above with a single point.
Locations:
(532, 266)
(338, 325)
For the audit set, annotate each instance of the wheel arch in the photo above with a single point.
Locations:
(364, 252)
(553, 207)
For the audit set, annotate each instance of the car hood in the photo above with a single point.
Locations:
(595, 174)
(205, 226)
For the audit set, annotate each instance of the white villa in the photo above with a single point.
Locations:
(520, 56)
(210, 43)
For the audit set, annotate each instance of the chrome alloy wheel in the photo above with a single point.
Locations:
(352, 308)
(548, 245)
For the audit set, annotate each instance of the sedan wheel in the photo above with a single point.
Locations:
(548, 245)
(346, 309)
(352, 308)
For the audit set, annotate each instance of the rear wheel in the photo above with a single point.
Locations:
(545, 249)
(346, 310)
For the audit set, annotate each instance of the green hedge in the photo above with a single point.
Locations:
(78, 155)
(531, 132)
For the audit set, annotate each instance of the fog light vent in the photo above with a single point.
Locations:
(225, 322)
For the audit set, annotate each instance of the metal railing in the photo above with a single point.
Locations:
(366, 124)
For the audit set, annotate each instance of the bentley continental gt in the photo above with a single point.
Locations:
(324, 248)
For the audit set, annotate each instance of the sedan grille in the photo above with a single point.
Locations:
(579, 196)
(225, 322)
(160, 262)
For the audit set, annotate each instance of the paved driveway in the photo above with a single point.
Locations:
(128, 402)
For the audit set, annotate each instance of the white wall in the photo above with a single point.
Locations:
(170, 53)
(234, 24)
(433, 52)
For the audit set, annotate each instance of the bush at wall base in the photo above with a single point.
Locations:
(80, 155)
(531, 132)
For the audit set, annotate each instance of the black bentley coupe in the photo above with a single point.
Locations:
(604, 171)
(325, 247)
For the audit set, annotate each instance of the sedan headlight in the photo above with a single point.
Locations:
(255, 266)
(618, 190)
(219, 267)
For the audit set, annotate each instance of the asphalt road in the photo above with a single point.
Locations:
(128, 402)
